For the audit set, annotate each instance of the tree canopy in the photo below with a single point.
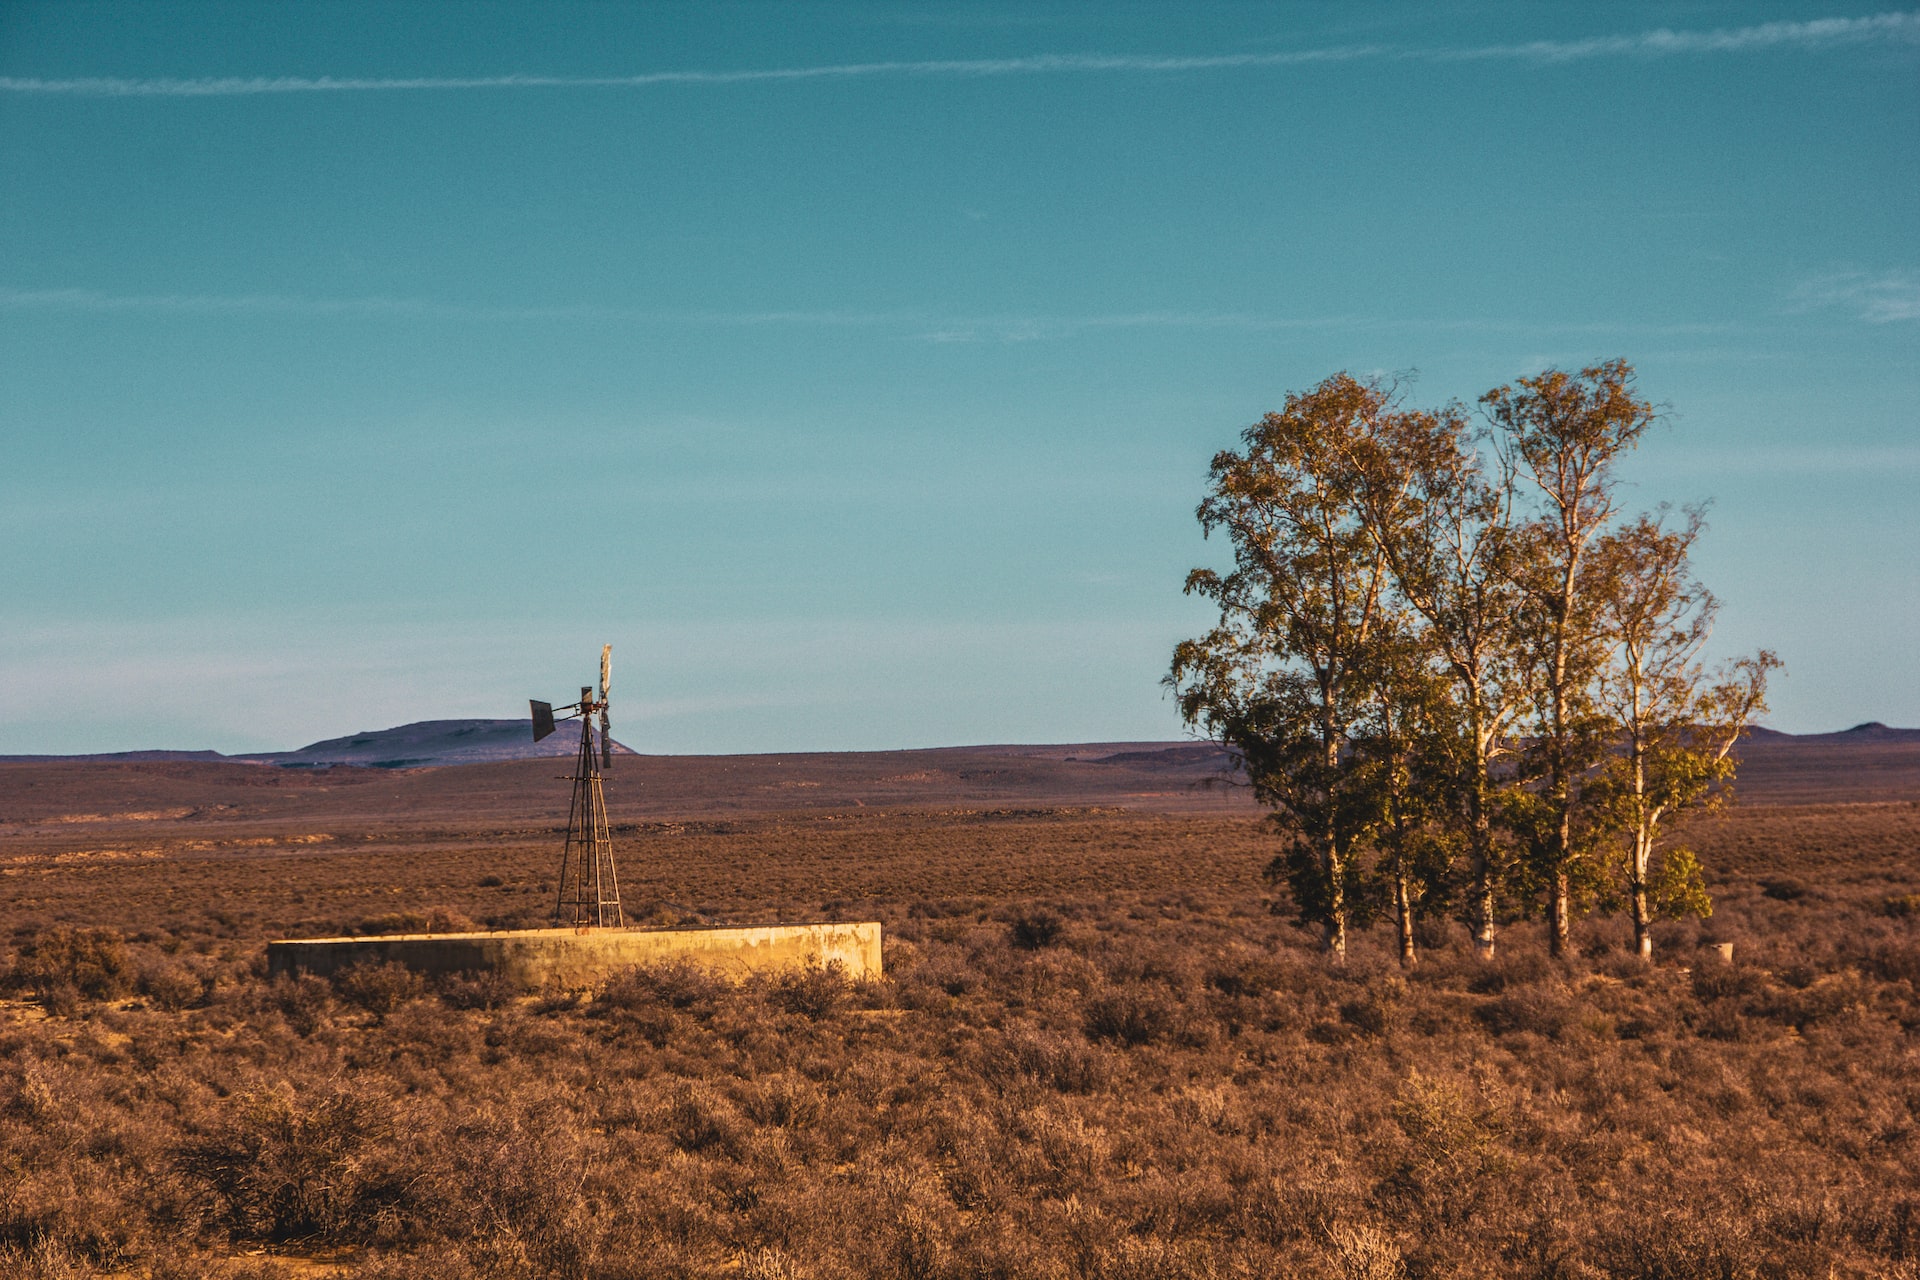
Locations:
(1464, 682)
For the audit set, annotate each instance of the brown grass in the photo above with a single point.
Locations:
(1097, 1054)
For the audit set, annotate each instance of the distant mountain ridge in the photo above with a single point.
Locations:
(430, 744)
(424, 744)
(1871, 731)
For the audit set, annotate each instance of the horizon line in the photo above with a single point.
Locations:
(263, 757)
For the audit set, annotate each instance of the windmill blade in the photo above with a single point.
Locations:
(606, 741)
(542, 718)
(606, 670)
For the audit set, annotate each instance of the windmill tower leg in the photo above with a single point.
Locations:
(589, 890)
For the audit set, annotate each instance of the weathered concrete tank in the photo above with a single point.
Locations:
(567, 958)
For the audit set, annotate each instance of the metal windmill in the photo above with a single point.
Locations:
(589, 890)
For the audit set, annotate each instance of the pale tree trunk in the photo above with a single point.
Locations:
(1336, 922)
(1642, 838)
(1642, 915)
(1560, 911)
(1334, 859)
(1483, 941)
(1403, 905)
(1562, 920)
(1480, 836)
(1483, 923)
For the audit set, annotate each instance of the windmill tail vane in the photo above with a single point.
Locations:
(589, 888)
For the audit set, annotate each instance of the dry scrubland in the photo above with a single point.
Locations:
(1098, 1052)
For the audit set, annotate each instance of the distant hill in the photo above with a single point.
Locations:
(1868, 761)
(424, 744)
(1871, 731)
(381, 778)
(430, 744)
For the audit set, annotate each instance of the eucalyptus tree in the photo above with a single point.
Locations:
(1440, 509)
(1405, 776)
(1676, 723)
(1284, 677)
(1564, 435)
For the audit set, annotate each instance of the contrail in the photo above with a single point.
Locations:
(1890, 28)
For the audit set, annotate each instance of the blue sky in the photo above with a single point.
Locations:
(854, 369)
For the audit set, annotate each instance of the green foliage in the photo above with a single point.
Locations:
(1424, 659)
(1289, 675)
(1679, 887)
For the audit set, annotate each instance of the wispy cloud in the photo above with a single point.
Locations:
(1896, 28)
(376, 306)
(1885, 28)
(1887, 298)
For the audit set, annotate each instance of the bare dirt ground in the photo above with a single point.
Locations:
(1098, 1053)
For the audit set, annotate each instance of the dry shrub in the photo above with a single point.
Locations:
(1373, 1014)
(61, 964)
(1536, 1010)
(1510, 967)
(930, 984)
(1827, 999)
(1445, 1132)
(815, 992)
(304, 1000)
(1716, 980)
(677, 984)
(379, 988)
(1136, 1258)
(511, 1190)
(1897, 961)
(1135, 1016)
(169, 984)
(1783, 888)
(1034, 928)
(45, 1260)
(1364, 1252)
(1247, 975)
(771, 1264)
(1300, 1206)
(439, 1263)
(427, 920)
(782, 1101)
(1685, 1243)
(485, 989)
(914, 1227)
(1063, 1063)
(700, 1118)
(284, 1166)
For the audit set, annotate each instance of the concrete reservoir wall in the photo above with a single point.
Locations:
(566, 958)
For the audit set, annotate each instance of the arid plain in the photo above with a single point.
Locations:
(1099, 1051)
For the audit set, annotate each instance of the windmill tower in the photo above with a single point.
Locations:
(589, 890)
